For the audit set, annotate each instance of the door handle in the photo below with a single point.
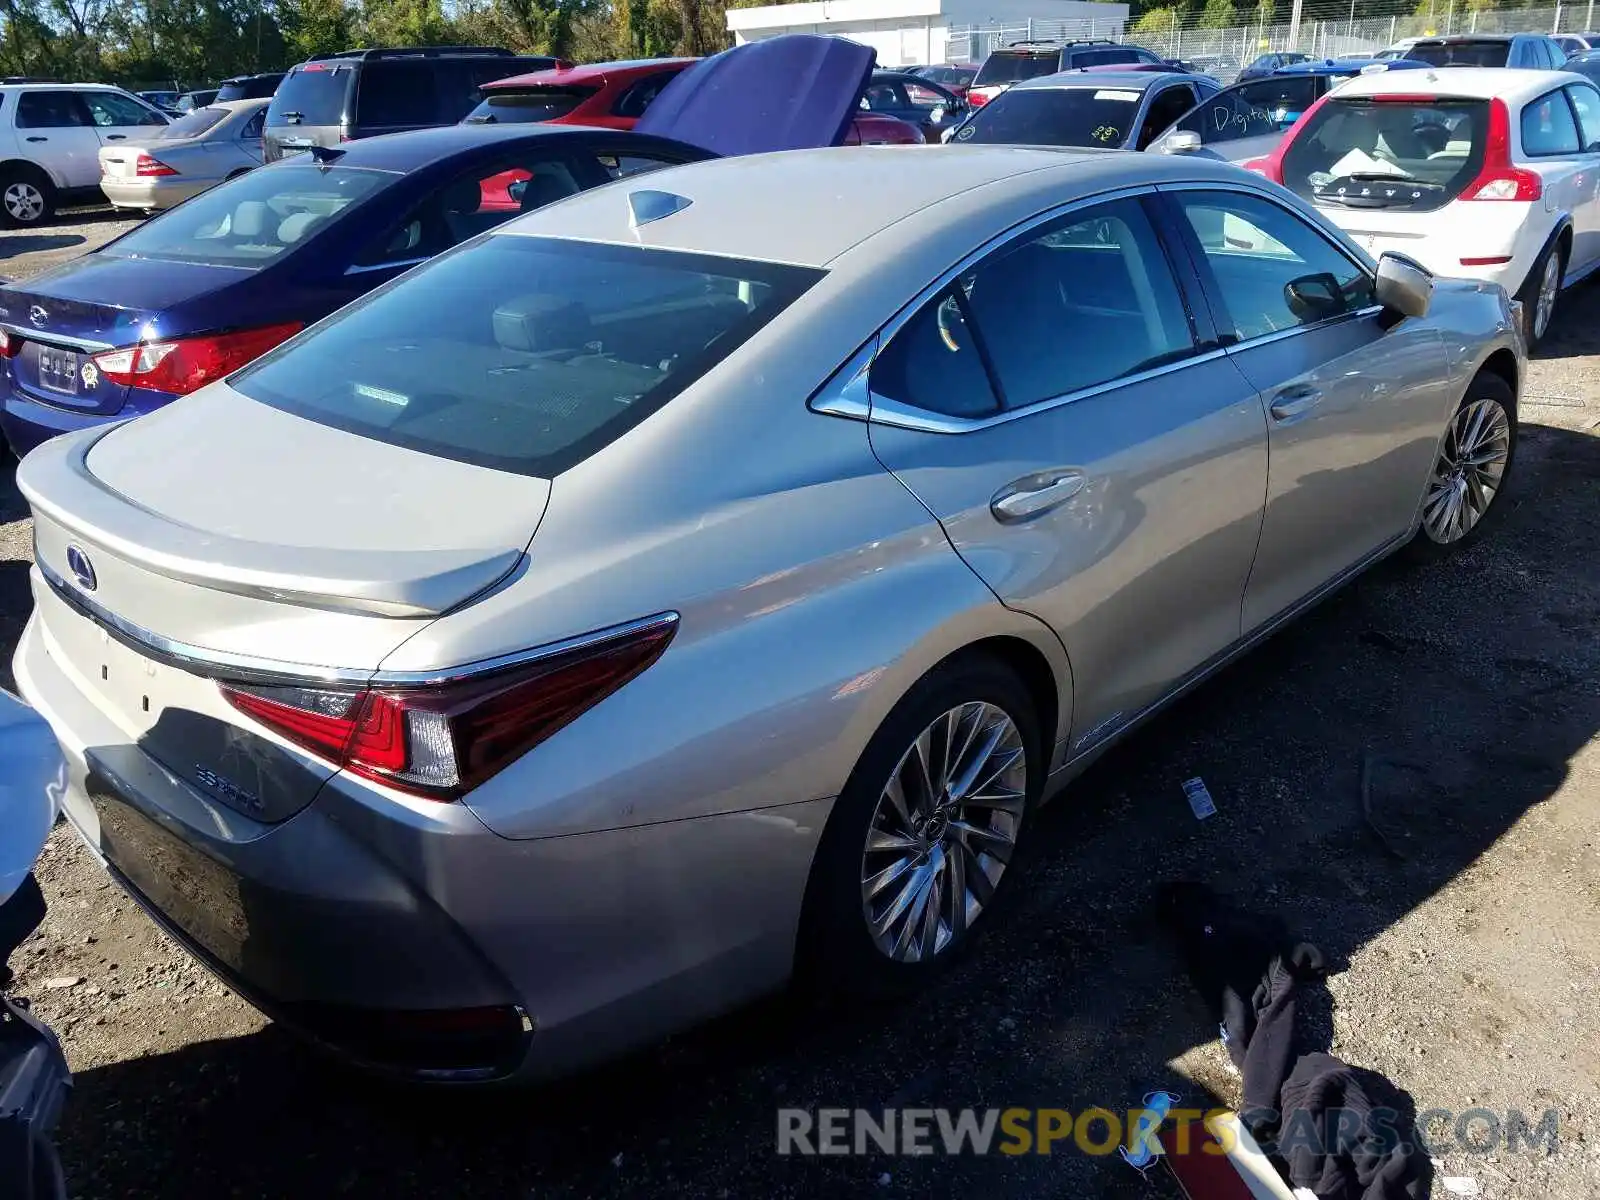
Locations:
(1294, 402)
(1034, 495)
(38, 139)
(116, 137)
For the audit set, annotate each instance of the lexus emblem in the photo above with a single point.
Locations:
(38, 316)
(80, 566)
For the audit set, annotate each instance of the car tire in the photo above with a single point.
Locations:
(1543, 286)
(27, 198)
(1472, 470)
(933, 844)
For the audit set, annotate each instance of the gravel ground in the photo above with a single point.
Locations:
(1465, 963)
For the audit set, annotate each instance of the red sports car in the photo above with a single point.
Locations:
(614, 95)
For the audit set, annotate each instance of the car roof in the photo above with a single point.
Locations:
(1122, 81)
(1471, 37)
(1345, 66)
(422, 147)
(588, 72)
(236, 105)
(764, 207)
(1485, 83)
(56, 87)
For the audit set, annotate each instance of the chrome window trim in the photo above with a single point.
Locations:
(30, 334)
(386, 266)
(246, 668)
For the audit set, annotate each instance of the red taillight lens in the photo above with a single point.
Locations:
(443, 739)
(9, 344)
(184, 364)
(151, 168)
(1499, 179)
(977, 99)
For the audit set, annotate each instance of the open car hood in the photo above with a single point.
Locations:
(792, 92)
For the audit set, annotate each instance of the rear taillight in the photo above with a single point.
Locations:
(9, 344)
(977, 99)
(184, 364)
(1272, 165)
(151, 168)
(1499, 179)
(443, 739)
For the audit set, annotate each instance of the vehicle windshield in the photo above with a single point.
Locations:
(1487, 53)
(508, 107)
(1005, 66)
(1400, 155)
(1076, 116)
(524, 354)
(1588, 67)
(252, 221)
(192, 124)
(311, 95)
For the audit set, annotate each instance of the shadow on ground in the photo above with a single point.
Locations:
(1478, 668)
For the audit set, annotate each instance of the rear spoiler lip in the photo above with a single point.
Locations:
(56, 481)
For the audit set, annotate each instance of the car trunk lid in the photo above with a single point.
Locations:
(166, 572)
(59, 320)
(791, 92)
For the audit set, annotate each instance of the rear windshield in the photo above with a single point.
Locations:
(252, 221)
(1412, 156)
(193, 123)
(948, 75)
(257, 87)
(311, 95)
(507, 107)
(1006, 66)
(1461, 54)
(1055, 117)
(524, 354)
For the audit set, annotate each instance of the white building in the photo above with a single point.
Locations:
(918, 31)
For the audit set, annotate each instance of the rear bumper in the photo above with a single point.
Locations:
(368, 911)
(26, 422)
(153, 193)
(1498, 244)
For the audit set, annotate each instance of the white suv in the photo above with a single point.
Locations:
(1485, 173)
(50, 139)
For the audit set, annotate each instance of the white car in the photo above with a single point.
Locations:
(50, 140)
(1489, 174)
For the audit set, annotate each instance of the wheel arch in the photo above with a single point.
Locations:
(1502, 363)
(9, 165)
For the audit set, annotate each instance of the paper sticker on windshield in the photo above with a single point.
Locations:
(1106, 133)
(1117, 94)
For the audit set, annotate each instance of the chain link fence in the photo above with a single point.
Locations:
(1223, 52)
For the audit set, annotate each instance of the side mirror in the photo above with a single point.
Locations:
(1180, 141)
(1314, 297)
(1404, 285)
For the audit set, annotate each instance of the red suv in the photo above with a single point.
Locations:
(614, 95)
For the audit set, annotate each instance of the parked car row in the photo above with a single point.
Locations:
(696, 568)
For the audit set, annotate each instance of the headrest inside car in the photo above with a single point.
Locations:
(249, 219)
(297, 226)
(541, 323)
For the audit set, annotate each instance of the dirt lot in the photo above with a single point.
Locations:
(1466, 964)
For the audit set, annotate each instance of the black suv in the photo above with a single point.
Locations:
(336, 98)
(1029, 60)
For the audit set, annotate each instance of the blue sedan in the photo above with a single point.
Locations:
(204, 288)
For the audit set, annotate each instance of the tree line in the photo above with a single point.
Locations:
(195, 42)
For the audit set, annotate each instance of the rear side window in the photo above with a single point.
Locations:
(934, 363)
(311, 95)
(1253, 109)
(193, 123)
(1461, 54)
(50, 110)
(1108, 57)
(637, 98)
(396, 93)
(1548, 127)
(1007, 66)
(506, 107)
(1413, 156)
(1077, 116)
(524, 354)
(253, 221)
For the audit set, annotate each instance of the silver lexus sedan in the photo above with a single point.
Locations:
(702, 579)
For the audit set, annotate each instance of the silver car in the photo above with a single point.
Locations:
(675, 587)
(197, 151)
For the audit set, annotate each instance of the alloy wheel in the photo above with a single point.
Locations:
(1549, 289)
(1472, 465)
(944, 831)
(24, 202)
